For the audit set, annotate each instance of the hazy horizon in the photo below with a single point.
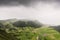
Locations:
(47, 12)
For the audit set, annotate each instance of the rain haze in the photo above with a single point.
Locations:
(45, 11)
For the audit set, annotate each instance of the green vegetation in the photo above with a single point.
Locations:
(6, 36)
(26, 30)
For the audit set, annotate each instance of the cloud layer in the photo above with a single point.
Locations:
(26, 2)
(44, 11)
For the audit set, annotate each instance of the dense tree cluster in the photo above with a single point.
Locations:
(27, 23)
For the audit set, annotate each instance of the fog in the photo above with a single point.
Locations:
(47, 12)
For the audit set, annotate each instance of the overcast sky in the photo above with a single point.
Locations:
(47, 12)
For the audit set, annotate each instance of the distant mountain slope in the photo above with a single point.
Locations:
(57, 28)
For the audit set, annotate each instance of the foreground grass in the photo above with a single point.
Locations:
(29, 33)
